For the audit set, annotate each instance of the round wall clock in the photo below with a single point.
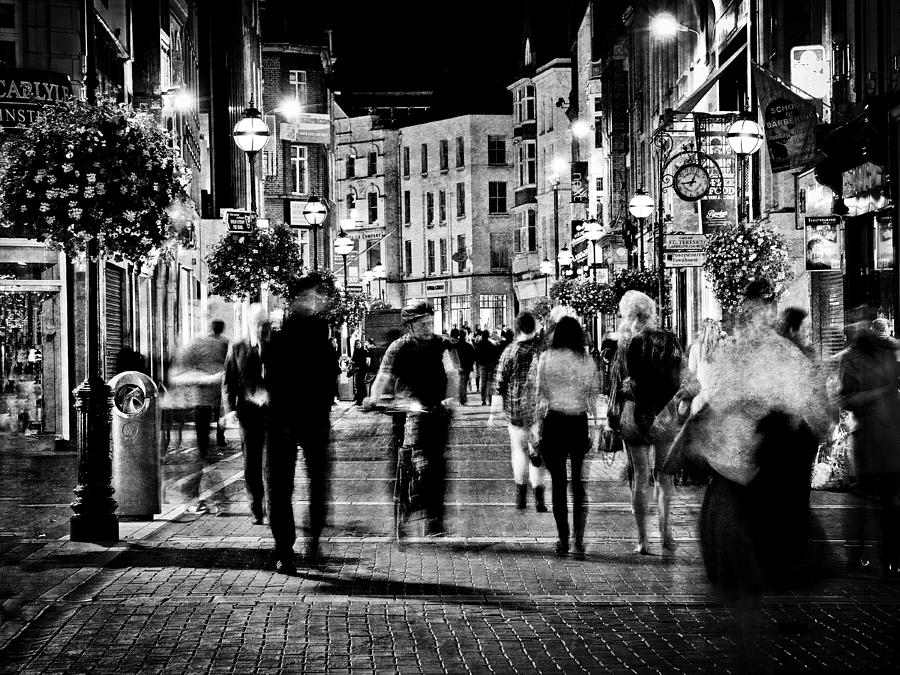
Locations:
(691, 182)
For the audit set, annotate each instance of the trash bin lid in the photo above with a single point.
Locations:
(129, 399)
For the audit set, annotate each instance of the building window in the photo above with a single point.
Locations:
(431, 256)
(407, 256)
(500, 246)
(373, 163)
(351, 204)
(7, 15)
(299, 172)
(406, 162)
(460, 310)
(496, 197)
(491, 311)
(460, 152)
(443, 250)
(527, 161)
(297, 82)
(526, 232)
(442, 206)
(497, 150)
(424, 157)
(351, 167)
(372, 198)
(523, 107)
(303, 237)
(406, 207)
(460, 200)
(599, 184)
(598, 133)
(373, 257)
(429, 209)
(461, 247)
(444, 154)
(8, 53)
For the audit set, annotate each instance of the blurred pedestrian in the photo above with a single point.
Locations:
(486, 357)
(702, 352)
(300, 372)
(419, 374)
(791, 326)
(647, 374)
(756, 424)
(513, 395)
(465, 356)
(870, 375)
(247, 399)
(566, 386)
(360, 361)
(199, 369)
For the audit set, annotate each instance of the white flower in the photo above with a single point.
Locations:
(75, 214)
(130, 216)
(92, 178)
(44, 207)
(67, 168)
(50, 219)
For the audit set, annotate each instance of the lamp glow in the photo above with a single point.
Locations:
(344, 245)
(641, 205)
(580, 129)
(565, 256)
(593, 230)
(315, 211)
(664, 25)
(745, 136)
(251, 133)
(546, 267)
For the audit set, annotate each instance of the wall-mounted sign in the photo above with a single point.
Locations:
(790, 123)
(719, 207)
(685, 242)
(716, 214)
(810, 72)
(23, 91)
(295, 214)
(239, 221)
(433, 288)
(823, 251)
(307, 128)
(366, 233)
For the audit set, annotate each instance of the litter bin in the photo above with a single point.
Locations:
(136, 470)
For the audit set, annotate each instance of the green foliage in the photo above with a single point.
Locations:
(561, 291)
(541, 309)
(239, 265)
(103, 172)
(738, 254)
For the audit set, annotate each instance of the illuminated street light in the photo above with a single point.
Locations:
(744, 136)
(315, 213)
(665, 25)
(565, 257)
(581, 129)
(251, 134)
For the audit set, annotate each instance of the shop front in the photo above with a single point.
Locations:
(34, 342)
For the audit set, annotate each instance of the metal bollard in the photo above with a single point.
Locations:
(136, 465)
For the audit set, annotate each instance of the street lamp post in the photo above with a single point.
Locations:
(315, 213)
(251, 134)
(558, 166)
(343, 246)
(593, 232)
(745, 138)
(546, 269)
(641, 206)
(380, 274)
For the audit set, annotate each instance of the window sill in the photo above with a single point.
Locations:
(443, 171)
(502, 213)
(460, 167)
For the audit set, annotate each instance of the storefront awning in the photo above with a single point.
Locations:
(690, 102)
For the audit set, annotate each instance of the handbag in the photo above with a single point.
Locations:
(610, 440)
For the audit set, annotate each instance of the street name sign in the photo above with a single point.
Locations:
(685, 258)
(685, 242)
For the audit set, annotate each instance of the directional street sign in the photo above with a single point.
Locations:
(685, 258)
(685, 242)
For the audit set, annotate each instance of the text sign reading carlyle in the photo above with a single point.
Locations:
(23, 91)
(685, 242)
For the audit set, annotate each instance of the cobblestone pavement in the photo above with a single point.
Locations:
(189, 593)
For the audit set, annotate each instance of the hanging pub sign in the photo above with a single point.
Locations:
(884, 242)
(823, 250)
(23, 91)
(579, 182)
(718, 208)
(790, 123)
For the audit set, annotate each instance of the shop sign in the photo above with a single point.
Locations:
(685, 258)
(23, 91)
(884, 242)
(823, 251)
(790, 123)
(579, 182)
(295, 214)
(307, 128)
(716, 214)
(366, 234)
(810, 72)
(433, 288)
(239, 221)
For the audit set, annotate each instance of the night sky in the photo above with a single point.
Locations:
(465, 51)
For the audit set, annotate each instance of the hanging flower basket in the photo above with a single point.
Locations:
(106, 172)
(238, 266)
(541, 309)
(739, 254)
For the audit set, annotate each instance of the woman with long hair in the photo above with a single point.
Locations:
(646, 374)
(566, 385)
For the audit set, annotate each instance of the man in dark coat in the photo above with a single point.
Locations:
(486, 356)
(300, 369)
(246, 398)
(465, 355)
(361, 359)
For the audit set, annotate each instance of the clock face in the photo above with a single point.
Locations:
(691, 182)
